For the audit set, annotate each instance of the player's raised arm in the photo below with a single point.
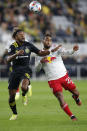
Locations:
(43, 53)
(39, 52)
(56, 49)
(64, 51)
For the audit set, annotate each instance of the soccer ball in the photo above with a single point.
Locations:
(35, 6)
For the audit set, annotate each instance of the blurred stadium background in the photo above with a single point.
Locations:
(65, 19)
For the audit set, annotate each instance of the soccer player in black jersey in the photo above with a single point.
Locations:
(19, 54)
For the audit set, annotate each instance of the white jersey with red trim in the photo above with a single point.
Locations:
(54, 67)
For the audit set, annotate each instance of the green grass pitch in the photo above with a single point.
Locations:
(43, 112)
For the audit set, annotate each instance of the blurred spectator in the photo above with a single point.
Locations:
(78, 35)
(4, 34)
(16, 13)
(60, 32)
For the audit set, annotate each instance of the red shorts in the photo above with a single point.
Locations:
(63, 82)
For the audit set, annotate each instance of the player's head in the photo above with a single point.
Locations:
(18, 35)
(47, 42)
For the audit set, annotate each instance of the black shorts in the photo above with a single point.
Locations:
(16, 77)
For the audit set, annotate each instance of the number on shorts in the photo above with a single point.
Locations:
(68, 80)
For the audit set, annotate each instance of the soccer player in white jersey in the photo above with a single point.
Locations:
(57, 74)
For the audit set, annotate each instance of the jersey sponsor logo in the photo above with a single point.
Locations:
(16, 51)
(68, 80)
(50, 59)
(18, 57)
(27, 50)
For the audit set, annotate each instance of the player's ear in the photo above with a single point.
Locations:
(16, 37)
(13, 38)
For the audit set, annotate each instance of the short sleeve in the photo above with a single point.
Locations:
(11, 50)
(34, 49)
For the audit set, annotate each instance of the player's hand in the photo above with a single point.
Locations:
(43, 60)
(76, 47)
(20, 52)
(55, 49)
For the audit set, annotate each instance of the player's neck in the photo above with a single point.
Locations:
(19, 43)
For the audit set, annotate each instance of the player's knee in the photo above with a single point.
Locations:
(59, 96)
(25, 88)
(77, 94)
(25, 84)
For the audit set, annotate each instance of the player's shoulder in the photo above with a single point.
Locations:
(28, 43)
(14, 44)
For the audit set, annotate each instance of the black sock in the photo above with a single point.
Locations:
(24, 91)
(12, 104)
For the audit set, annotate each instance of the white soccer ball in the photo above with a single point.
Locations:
(35, 6)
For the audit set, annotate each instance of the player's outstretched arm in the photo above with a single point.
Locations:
(62, 51)
(56, 49)
(72, 51)
(43, 53)
(39, 52)
(12, 57)
(75, 48)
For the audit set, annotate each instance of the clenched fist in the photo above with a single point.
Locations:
(76, 47)
(20, 52)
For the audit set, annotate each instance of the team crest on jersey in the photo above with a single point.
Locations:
(50, 59)
(16, 51)
(27, 50)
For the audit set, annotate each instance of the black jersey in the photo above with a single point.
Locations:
(22, 62)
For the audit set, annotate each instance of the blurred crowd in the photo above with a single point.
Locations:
(16, 13)
(74, 65)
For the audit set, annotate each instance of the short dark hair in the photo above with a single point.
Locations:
(48, 35)
(15, 32)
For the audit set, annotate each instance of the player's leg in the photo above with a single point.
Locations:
(75, 96)
(29, 86)
(69, 85)
(29, 90)
(24, 88)
(64, 105)
(12, 103)
(55, 85)
(17, 94)
(14, 81)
